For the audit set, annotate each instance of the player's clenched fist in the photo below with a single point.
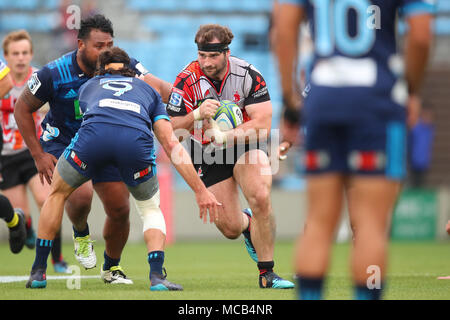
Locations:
(207, 109)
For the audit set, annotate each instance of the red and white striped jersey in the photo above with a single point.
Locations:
(243, 84)
(12, 139)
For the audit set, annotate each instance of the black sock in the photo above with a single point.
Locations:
(362, 292)
(82, 233)
(6, 209)
(265, 266)
(109, 262)
(156, 261)
(56, 248)
(43, 248)
(309, 288)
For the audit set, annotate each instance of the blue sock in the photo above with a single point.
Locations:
(156, 261)
(43, 248)
(81, 234)
(364, 293)
(309, 288)
(109, 262)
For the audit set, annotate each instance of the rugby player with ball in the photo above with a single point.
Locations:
(206, 98)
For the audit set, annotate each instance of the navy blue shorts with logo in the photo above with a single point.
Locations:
(373, 147)
(109, 153)
(108, 174)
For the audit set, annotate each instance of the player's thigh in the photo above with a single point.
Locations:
(227, 193)
(39, 191)
(371, 201)
(324, 201)
(253, 174)
(115, 198)
(80, 200)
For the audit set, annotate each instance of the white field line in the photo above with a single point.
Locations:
(8, 279)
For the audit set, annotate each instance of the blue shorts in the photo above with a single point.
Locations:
(107, 153)
(373, 147)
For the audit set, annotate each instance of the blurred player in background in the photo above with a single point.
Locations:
(18, 169)
(117, 130)
(195, 97)
(355, 120)
(15, 219)
(58, 83)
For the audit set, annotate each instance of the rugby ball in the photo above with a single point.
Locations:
(228, 116)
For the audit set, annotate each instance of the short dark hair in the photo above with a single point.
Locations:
(97, 21)
(114, 55)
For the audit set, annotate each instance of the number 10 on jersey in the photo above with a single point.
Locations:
(331, 26)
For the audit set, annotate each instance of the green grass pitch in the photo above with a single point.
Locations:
(223, 271)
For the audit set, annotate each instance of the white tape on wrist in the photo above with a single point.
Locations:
(220, 137)
(197, 115)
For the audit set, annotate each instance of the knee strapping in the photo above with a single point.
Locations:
(151, 214)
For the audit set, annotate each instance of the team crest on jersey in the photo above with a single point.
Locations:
(237, 97)
(34, 83)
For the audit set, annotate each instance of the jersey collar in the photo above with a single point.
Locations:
(76, 67)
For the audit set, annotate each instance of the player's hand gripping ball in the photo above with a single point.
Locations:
(228, 116)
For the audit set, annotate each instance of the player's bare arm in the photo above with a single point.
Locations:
(163, 87)
(182, 162)
(418, 45)
(286, 49)
(25, 106)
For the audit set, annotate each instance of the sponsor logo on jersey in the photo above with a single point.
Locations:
(77, 160)
(261, 83)
(71, 94)
(175, 99)
(175, 109)
(141, 69)
(50, 133)
(34, 83)
(142, 173)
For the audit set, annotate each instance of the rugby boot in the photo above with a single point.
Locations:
(37, 280)
(84, 251)
(271, 280)
(115, 275)
(159, 282)
(247, 238)
(18, 233)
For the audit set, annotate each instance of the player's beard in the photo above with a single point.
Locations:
(90, 65)
(216, 72)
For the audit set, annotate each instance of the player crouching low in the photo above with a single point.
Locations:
(117, 130)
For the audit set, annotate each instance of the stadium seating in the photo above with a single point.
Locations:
(28, 5)
(200, 5)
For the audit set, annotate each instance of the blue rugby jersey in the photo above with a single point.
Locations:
(356, 67)
(120, 100)
(58, 83)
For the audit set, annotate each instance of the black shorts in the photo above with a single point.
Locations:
(17, 169)
(215, 166)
